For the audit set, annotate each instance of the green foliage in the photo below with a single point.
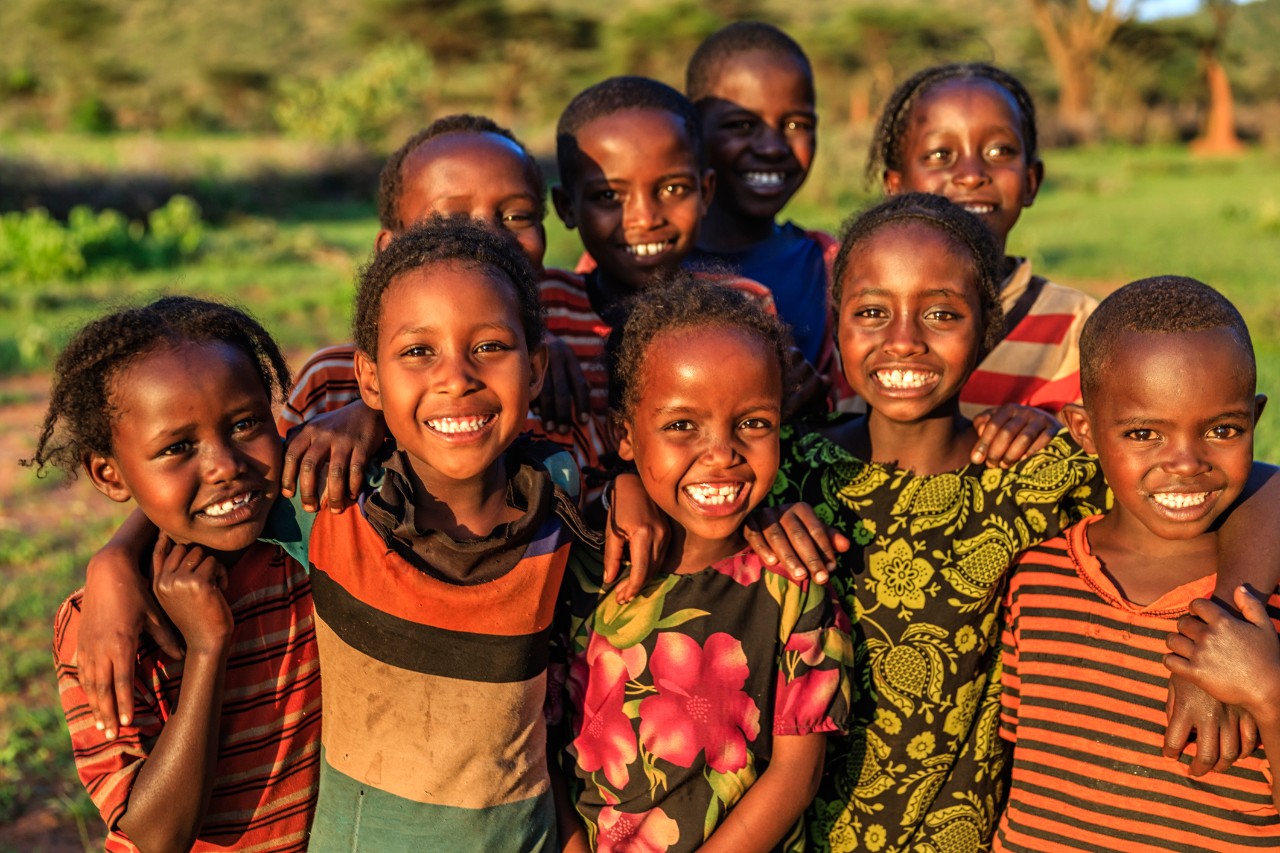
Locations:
(362, 105)
(35, 248)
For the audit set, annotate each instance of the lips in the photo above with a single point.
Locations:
(764, 180)
(718, 498)
(1180, 500)
(648, 250)
(461, 426)
(231, 510)
(909, 379)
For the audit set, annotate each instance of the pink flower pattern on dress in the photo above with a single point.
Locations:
(604, 738)
(699, 705)
(646, 832)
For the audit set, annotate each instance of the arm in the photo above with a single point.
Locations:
(775, 802)
(1237, 661)
(117, 607)
(168, 798)
(573, 836)
(1248, 554)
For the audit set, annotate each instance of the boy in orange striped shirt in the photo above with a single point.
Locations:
(1168, 379)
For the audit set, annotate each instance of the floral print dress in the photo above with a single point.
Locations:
(676, 697)
(923, 767)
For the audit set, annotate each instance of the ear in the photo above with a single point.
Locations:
(1077, 420)
(105, 476)
(626, 450)
(537, 369)
(383, 240)
(708, 189)
(367, 380)
(892, 182)
(564, 207)
(1259, 403)
(1035, 177)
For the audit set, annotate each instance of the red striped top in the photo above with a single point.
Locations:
(1084, 703)
(265, 781)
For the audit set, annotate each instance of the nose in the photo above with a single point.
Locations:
(1186, 458)
(903, 336)
(719, 449)
(455, 374)
(222, 461)
(970, 170)
(641, 212)
(769, 142)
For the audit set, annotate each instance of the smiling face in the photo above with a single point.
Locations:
(910, 323)
(637, 196)
(706, 449)
(194, 444)
(483, 176)
(963, 140)
(454, 374)
(760, 128)
(1172, 422)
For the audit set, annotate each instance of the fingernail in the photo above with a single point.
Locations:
(124, 720)
(111, 734)
(821, 577)
(583, 417)
(550, 426)
(99, 726)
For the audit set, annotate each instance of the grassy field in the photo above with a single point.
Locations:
(1105, 216)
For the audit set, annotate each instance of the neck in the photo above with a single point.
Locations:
(1144, 566)
(691, 554)
(936, 444)
(462, 509)
(723, 232)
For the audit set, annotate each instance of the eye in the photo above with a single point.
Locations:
(605, 196)
(677, 190)
(943, 315)
(416, 351)
(517, 220)
(679, 426)
(870, 312)
(937, 156)
(756, 424)
(245, 425)
(1142, 435)
(1225, 432)
(796, 125)
(1003, 151)
(178, 448)
(738, 125)
(492, 346)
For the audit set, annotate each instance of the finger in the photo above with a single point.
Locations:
(1251, 608)
(122, 694)
(1040, 442)
(294, 452)
(336, 483)
(1228, 742)
(581, 391)
(1192, 627)
(1180, 647)
(355, 476)
(641, 561)
(1207, 746)
(784, 546)
(1020, 446)
(613, 543)
(999, 439)
(756, 541)
(105, 692)
(816, 558)
(1249, 737)
(841, 542)
(1178, 732)
(95, 680)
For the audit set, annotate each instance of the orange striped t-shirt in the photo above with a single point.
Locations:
(1084, 705)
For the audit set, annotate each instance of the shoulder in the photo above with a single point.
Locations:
(1053, 298)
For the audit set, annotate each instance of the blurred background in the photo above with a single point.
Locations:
(232, 150)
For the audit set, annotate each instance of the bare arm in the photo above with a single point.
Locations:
(169, 797)
(775, 802)
(573, 836)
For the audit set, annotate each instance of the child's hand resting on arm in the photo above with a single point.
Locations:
(564, 389)
(1237, 661)
(793, 536)
(341, 441)
(1010, 433)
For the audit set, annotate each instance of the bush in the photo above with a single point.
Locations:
(363, 105)
(36, 248)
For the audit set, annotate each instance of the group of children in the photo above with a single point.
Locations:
(445, 594)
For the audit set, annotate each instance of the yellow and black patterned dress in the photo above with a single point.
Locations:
(924, 767)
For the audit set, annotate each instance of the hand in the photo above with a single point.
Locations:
(343, 440)
(564, 389)
(636, 524)
(1234, 659)
(116, 607)
(812, 394)
(796, 538)
(1220, 733)
(1011, 433)
(188, 583)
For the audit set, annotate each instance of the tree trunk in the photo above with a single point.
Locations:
(1219, 134)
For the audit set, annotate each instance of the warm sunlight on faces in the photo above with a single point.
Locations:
(704, 434)
(910, 325)
(194, 443)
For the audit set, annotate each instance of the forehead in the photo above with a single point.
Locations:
(910, 256)
(761, 78)
(693, 363)
(449, 293)
(190, 377)
(1174, 372)
(967, 102)
(444, 163)
(633, 137)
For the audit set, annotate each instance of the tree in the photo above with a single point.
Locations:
(1075, 34)
(1218, 136)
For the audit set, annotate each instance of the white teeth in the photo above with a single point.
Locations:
(905, 378)
(646, 250)
(1170, 500)
(979, 209)
(764, 180)
(453, 426)
(220, 509)
(709, 495)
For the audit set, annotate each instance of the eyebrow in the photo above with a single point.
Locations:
(935, 291)
(421, 329)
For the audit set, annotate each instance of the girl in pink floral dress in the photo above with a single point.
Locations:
(700, 709)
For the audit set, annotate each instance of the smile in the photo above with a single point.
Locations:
(979, 208)
(647, 250)
(218, 510)
(906, 379)
(462, 426)
(764, 180)
(709, 495)
(1178, 500)
(232, 511)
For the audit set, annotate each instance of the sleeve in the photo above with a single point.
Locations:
(813, 691)
(1054, 488)
(1010, 694)
(107, 768)
(289, 526)
(326, 383)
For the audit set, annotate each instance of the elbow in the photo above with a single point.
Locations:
(154, 837)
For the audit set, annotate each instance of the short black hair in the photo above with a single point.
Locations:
(1165, 304)
(683, 302)
(886, 143)
(437, 241)
(391, 181)
(81, 408)
(739, 37)
(962, 228)
(615, 95)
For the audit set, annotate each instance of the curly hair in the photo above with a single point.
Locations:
(961, 228)
(683, 302)
(886, 143)
(739, 37)
(438, 241)
(391, 181)
(81, 405)
(615, 95)
(1165, 304)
